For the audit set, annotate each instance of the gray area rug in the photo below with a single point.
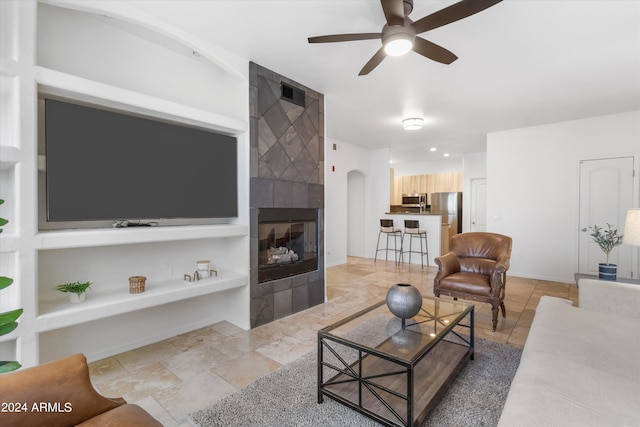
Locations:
(288, 396)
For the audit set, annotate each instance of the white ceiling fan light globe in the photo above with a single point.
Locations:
(398, 44)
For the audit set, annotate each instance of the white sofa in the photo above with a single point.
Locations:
(580, 366)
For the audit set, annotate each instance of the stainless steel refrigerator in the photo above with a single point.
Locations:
(449, 205)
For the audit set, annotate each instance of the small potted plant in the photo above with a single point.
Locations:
(76, 290)
(607, 240)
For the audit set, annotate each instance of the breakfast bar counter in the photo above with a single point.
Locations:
(437, 233)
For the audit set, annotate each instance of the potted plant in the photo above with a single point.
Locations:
(8, 319)
(607, 240)
(76, 290)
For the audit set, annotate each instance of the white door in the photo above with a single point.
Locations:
(479, 204)
(355, 214)
(606, 192)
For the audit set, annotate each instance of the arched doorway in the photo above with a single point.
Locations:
(356, 208)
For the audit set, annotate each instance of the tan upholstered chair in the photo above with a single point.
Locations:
(475, 269)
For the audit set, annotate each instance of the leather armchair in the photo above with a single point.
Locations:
(475, 269)
(60, 393)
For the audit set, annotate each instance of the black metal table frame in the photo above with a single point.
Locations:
(324, 340)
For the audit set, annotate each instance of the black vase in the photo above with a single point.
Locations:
(607, 271)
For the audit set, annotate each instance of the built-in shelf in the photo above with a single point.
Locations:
(56, 83)
(9, 157)
(8, 242)
(9, 67)
(98, 305)
(14, 335)
(65, 239)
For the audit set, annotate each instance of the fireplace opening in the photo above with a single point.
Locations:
(287, 242)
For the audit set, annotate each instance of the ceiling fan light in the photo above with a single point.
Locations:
(398, 44)
(413, 123)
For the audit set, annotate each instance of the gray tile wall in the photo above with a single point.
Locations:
(287, 171)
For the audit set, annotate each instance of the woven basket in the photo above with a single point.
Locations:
(136, 284)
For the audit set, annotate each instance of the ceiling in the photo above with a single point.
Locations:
(521, 63)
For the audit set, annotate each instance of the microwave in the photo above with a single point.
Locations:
(414, 200)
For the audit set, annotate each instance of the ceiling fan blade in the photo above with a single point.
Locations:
(452, 13)
(433, 51)
(344, 37)
(373, 62)
(393, 11)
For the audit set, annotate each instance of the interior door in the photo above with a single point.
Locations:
(478, 204)
(355, 214)
(606, 192)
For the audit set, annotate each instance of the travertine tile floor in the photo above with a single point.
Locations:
(174, 377)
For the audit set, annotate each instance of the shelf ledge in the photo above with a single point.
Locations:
(65, 239)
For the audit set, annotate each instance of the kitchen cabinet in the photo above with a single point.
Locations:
(430, 183)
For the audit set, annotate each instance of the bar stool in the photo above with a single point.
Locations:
(387, 227)
(412, 228)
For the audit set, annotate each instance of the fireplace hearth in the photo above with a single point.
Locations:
(287, 242)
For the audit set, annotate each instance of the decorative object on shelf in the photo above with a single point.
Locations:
(8, 319)
(136, 284)
(404, 301)
(607, 240)
(202, 272)
(76, 291)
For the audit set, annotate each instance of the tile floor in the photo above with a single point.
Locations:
(177, 376)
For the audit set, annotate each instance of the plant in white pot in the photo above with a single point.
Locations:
(607, 240)
(76, 290)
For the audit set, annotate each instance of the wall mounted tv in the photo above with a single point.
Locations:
(107, 166)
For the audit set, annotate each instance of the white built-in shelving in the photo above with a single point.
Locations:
(38, 257)
(56, 314)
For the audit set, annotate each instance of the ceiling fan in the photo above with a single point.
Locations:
(399, 34)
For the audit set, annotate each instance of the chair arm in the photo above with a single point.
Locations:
(621, 299)
(447, 264)
(63, 385)
(498, 281)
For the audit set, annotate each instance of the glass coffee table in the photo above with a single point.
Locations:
(369, 363)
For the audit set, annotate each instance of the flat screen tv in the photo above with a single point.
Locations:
(108, 166)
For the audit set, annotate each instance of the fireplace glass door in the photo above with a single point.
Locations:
(288, 243)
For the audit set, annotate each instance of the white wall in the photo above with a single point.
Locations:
(444, 165)
(103, 50)
(532, 187)
(374, 165)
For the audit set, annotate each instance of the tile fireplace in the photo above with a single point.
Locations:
(286, 197)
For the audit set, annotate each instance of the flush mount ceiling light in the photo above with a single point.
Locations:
(398, 42)
(413, 123)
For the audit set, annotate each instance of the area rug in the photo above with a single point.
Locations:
(287, 397)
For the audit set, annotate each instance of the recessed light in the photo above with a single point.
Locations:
(433, 149)
(446, 154)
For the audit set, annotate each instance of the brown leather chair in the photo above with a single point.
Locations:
(60, 393)
(475, 269)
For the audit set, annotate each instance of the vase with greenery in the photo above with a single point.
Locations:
(8, 319)
(607, 240)
(76, 289)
